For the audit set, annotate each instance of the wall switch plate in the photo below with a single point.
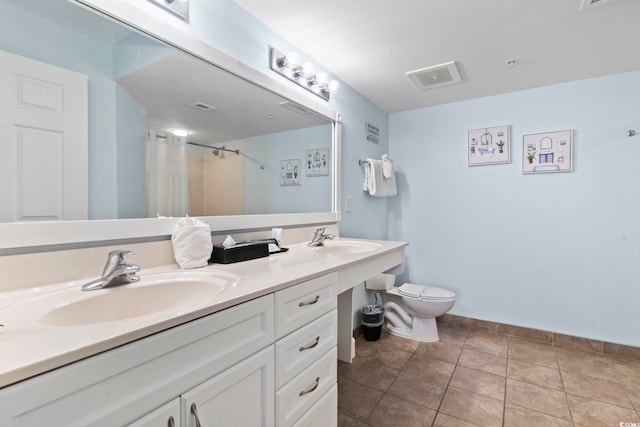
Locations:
(347, 204)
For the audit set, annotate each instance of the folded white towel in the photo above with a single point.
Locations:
(191, 240)
(387, 166)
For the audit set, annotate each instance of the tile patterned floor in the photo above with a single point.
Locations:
(476, 377)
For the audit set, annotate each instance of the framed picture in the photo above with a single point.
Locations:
(547, 152)
(290, 172)
(489, 146)
(317, 162)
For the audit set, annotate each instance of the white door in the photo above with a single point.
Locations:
(43, 149)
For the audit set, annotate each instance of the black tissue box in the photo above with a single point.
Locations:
(239, 252)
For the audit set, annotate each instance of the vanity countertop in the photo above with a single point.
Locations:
(28, 347)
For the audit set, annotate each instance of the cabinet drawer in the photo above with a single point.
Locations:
(299, 349)
(299, 304)
(302, 392)
(324, 413)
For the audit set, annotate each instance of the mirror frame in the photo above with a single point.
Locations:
(19, 237)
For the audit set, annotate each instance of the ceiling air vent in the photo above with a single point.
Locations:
(588, 4)
(292, 106)
(436, 76)
(202, 106)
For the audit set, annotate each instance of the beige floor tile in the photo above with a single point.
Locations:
(471, 407)
(483, 361)
(537, 398)
(452, 329)
(534, 374)
(633, 393)
(516, 416)
(398, 343)
(627, 369)
(347, 421)
(392, 411)
(444, 420)
(374, 375)
(487, 342)
(391, 358)
(533, 352)
(415, 389)
(591, 413)
(446, 350)
(478, 382)
(586, 363)
(596, 389)
(436, 371)
(355, 400)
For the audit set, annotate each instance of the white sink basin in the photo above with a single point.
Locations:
(163, 294)
(347, 247)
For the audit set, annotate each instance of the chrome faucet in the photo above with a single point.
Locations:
(319, 237)
(116, 272)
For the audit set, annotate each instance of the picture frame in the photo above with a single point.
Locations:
(290, 172)
(547, 152)
(317, 162)
(489, 146)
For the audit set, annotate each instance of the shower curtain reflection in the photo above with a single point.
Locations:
(166, 175)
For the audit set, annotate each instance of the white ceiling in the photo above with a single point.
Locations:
(371, 44)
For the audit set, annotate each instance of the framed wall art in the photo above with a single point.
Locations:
(290, 172)
(547, 152)
(489, 146)
(317, 162)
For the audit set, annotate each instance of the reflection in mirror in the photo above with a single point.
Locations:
(111, 151)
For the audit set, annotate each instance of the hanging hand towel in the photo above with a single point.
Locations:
(389, 176)
(376, 180)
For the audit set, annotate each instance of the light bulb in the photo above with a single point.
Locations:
(291, 60)
(307, 69)
(321, 79)
(333, 86)
(180, 132)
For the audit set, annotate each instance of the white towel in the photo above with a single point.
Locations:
(376, 184)
(389, 174)
(387, 166)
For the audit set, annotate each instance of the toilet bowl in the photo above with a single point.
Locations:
(415, 316)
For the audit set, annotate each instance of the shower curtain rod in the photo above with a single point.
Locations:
(237, 151)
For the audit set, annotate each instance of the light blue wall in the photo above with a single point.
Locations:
(131, 151)
(557, 251)
(263, 192)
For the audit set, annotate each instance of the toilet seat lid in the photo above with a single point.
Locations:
(424, 292)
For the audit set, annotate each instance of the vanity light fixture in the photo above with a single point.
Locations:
(179, 8)
(180, 132)
(289, 66)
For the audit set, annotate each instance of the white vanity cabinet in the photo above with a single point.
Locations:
(306, 354)
(165, 416)
(134, 382)
(240, 396)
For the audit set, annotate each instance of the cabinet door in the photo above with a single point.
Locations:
(243, 395)
(165, 416)
(324, 413)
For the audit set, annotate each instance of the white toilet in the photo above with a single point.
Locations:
(415, 318)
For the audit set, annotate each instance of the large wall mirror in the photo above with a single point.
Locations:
(92, 113)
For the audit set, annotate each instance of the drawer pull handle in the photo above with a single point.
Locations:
(303, 348)
(194, 411)
(171, 422)
(312, 389)
(315, 300)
